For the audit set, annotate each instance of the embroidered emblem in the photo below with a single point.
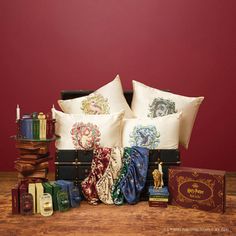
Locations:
(161, 107)
(145, 136)
(95, 104)
(85, 136)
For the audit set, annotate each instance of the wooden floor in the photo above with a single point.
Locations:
(137, 219)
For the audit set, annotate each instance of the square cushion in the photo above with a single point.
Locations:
(152, 133)
(151, 102)
(87, 132)
(106, 100)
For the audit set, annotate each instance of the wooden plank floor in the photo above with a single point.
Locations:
(136, 220)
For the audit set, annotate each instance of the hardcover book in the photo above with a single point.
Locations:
(15, 200)
(202, 189)
(157, 204)
(36, 174)
(29, 168)
(39, 193)
(158, 192)
(26, 128)
(32, 191)
(56, 188)
(33, 162)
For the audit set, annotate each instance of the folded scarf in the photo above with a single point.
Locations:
(134, 181)
(116, 193)
(99, 164)
(105, 183)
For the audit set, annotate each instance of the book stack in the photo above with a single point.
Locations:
(158, 197)
(35, 126)
(33, 160)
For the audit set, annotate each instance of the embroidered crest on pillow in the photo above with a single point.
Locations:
(145, 136)
(161, 107)
(107, 99)
(95, 104)
(85, 136)
(85, 132)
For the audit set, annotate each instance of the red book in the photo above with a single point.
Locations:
(201, 189)
(157, 204)
(15, 200)
(23, 187)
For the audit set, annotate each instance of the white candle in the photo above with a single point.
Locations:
(160, 167)
(17, 112)
(53, 112)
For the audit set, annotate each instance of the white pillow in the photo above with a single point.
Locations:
(151, 102)
(86, 132)
(106, 100)
(152, 133)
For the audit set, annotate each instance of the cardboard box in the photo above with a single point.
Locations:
(201, 189)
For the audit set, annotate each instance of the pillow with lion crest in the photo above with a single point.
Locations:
(85, 132)
(106, 100)
(152, 133)
(151, 102)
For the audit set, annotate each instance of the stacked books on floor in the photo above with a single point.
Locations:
(158, 197)
(33, 160)
(44, 198)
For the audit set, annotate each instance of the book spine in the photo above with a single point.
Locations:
(50, 129)
(27, 128)
(33, 192)
(36, 128)
(42, 132)
(15, 200)
(39, 193)
(157, 204)
(158, 199)
(158, 196)
(55, 190)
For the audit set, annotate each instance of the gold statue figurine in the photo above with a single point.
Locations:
(158, 178)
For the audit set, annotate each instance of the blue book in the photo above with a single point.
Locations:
(72, 190)
(27, 128)
(158, 192)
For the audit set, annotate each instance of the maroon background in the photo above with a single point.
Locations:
(188, 47)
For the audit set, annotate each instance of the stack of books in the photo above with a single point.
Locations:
(33, 160)
(158, 197)
(35, 126)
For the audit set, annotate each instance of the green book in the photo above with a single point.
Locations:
(158, 196)
(35, 128)
(55, 189)
(47, 188)
(158, 199)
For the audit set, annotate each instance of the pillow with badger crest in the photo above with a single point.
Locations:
(151, 102)
(106, 100)
(86, 132)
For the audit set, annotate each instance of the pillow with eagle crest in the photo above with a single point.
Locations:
(152, 133)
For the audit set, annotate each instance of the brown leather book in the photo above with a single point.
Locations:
(29, 168)
(15, 197)
(33, 156)
(33, 162)
(33, 151)
(36, 174)
(30, 144)
(157, 204)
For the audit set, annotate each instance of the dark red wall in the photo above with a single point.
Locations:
(186, 46)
